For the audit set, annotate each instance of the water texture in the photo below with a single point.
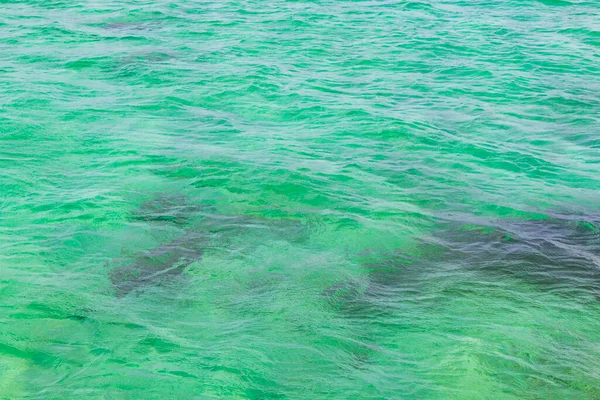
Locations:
(300, 199)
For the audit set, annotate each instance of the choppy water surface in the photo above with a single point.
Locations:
(304, 200)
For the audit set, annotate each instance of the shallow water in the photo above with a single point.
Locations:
(304, 200)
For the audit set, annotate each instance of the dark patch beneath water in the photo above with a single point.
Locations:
(177, 210)
(204, 228)
(157, 265)
(559, 254)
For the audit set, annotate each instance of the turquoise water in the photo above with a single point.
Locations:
(301, 200)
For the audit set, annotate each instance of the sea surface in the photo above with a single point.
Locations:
(300, 199)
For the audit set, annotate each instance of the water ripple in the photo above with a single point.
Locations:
(243, 199)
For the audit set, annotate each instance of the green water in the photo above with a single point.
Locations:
(302, 200)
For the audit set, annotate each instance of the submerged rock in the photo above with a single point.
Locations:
(177, 210)
(204, 229)
(230, 225)
(157, 265)
(559, 254)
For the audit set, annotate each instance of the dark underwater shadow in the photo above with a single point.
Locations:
(400, 294)
(199, 227)
(157, 265)
(559, 254)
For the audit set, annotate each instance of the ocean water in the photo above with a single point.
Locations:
(300, 199)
